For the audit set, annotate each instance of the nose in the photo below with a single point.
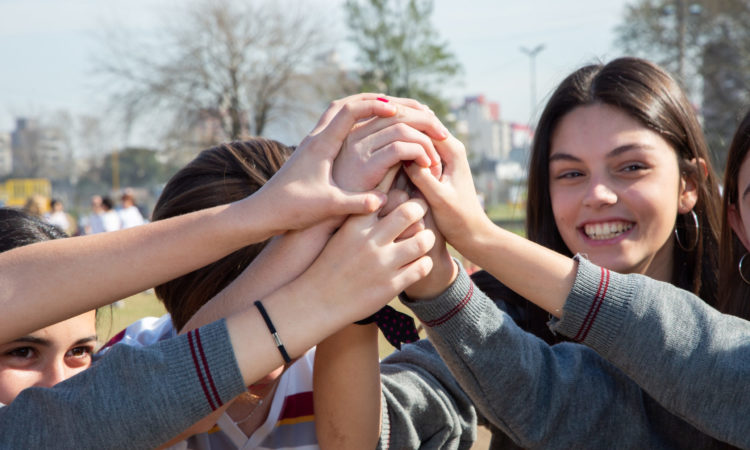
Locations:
(599, 194)
(55, 372)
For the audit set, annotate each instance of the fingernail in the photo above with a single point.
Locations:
(384, 100)
(444, 133)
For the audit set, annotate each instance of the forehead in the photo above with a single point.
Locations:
(596, 130)
(68, 331)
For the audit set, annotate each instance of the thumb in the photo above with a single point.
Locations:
(347, 203)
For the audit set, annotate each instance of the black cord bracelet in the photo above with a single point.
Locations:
(274, 334)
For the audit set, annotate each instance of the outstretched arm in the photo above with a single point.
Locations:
(671, 343)
(359, 167)
(347, 372)
(120, 402)
(533, 271)
(114, 265)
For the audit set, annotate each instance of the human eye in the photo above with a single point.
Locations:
(633, 167)
(21, 352)
(81, 352)
(567, 174)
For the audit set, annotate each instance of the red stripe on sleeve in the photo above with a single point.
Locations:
(447, 316)
(595, 306)
(207, 369)
(191, 336)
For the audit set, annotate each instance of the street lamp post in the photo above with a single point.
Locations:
(531, 53)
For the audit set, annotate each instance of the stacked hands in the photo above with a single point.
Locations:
(391, 241)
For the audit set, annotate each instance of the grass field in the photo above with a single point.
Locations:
(112, 319)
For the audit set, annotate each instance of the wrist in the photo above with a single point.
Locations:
(442, 275)
(257, 227)
(472, 243)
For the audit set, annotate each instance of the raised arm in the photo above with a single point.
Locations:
(363, 161)
(102, 268)
(681, 351)
(347, 377)
(533, 271)
(678, 362)
(120, 403)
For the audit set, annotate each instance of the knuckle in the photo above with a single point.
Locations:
(346, 108)
(424, 241)
(402, 128)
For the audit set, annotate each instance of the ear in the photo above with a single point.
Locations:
(735, 221)
(689, 186)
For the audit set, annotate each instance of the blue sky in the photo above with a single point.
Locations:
(46, 47)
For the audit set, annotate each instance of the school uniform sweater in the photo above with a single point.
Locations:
(560, 396)
(692, 359)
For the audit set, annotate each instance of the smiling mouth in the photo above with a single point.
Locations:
(606, 230)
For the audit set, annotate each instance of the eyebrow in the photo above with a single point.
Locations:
(85, 340)
(745, 192)
(616, 152)
(47, 343)
(31, 340)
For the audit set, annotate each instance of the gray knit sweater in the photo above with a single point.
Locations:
(562, 396)
(133, 398)
(689, 357)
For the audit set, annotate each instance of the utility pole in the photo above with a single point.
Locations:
(531, 53)
(115, 170)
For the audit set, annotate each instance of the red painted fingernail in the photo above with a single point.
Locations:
(407, 163)
(384, 100)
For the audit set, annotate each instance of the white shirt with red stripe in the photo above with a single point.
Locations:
(290, 423)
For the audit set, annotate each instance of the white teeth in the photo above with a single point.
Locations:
(607, 230)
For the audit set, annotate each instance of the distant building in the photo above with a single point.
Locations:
(6, 155)
(497, 150)
(478, 123)
(39, 151)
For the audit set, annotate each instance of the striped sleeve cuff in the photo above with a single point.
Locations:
(207, 362)
(595, 308)
(454, 302)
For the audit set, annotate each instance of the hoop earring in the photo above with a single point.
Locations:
(739, 267)
(697, 234)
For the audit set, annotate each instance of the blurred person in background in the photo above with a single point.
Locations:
(59, 218)
(92, 223)
(110, 218)
(130, 215)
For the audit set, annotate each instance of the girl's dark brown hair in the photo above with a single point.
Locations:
(217, 176)
(650, 95)
(734, 295)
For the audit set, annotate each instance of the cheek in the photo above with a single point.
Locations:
(76, 370)
(13, 381)
(653, 204)
(563, 208)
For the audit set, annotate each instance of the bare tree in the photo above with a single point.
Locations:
(218, 69)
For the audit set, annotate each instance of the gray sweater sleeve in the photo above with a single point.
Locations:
(423, 404)
(688, 356)
(131, 398)
(542, 396)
